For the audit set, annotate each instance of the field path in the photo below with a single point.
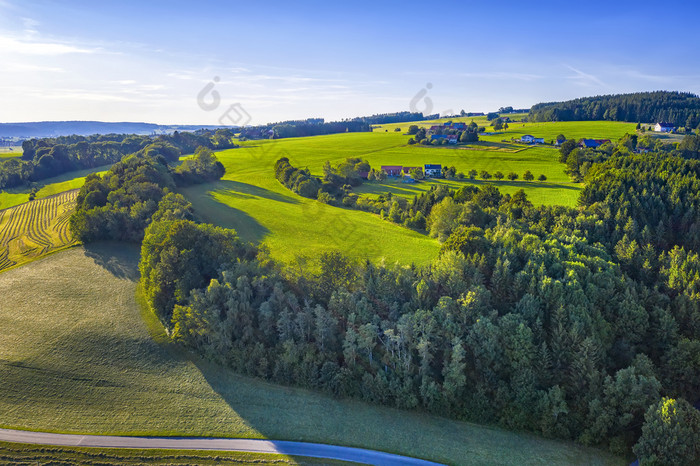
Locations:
(315, 450)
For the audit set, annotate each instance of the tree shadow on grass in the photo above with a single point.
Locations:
(119, 259)
(250, 191)
(210, 210)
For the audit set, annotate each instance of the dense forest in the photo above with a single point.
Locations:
(575, 323)
(48, 157)
(679, 108)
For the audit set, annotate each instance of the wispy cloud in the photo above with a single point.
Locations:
(33, 67)
(30, 28)
(584, 79)
(13, 46)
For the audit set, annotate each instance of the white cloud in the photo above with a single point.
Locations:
(33, 67)
(12, 46)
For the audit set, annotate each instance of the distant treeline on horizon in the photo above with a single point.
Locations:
(681, 109)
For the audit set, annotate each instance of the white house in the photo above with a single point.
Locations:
(664, 127)
(538, 140)
(527, 138)
(433, 170)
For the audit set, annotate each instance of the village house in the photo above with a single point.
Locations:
(432, 170)
(392, 170)
(407, 170)
(662, 127)
(530, 139)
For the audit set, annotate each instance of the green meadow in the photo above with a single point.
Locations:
(48, 187)
(72, 363)
(10, 152)
(252, 201)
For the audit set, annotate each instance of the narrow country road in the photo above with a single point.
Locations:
(316, 450)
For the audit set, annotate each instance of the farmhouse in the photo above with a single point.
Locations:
(407, 170)
(530, 139)
(433, 170)
(437, 136)
(662, 127)
(392, 170)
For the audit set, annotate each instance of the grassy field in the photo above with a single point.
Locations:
(35, 228)
(49, 186)
(10, 152)
(13, 453)
(72, 363)
(250, 199)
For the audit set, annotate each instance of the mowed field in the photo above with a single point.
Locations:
(77, 355)
(35, 228)
(49, 187)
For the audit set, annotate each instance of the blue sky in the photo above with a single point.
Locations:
(149, 60)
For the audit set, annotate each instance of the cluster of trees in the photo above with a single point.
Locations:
(579, 160)
(120, 204)
(301, 128)
(48, 157)
(678, 108)
(387, 118)
(337, 183)
(317, 126)
(470, 134)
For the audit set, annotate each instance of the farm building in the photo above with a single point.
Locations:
(452, 139)
(592, 143)
(407, 170)
(662, 127)
(437, 136)
(530, 139)
(392, 170)
(433, 170)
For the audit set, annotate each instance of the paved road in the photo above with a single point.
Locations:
(316, 450)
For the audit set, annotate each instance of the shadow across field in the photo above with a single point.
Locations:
(211, 210)
(250, 191)
(119, 259)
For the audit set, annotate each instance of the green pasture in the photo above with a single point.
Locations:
(48, 187)
(7, 152)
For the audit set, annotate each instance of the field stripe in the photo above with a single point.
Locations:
(36, 228)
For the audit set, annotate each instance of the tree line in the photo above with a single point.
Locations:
(318, 126)
(678, 108)
(48, 157)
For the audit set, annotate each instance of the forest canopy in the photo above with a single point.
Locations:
(679, 108)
